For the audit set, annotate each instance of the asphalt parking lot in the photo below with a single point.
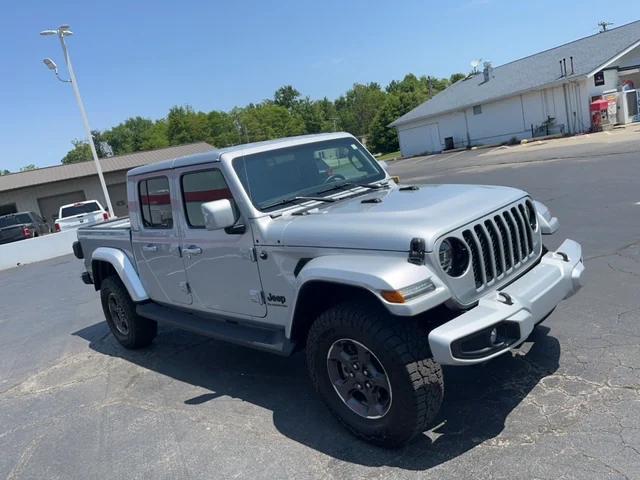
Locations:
(74, 404)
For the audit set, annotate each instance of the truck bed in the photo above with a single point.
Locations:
(114, 233)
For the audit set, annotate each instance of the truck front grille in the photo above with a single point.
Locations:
(500, 245)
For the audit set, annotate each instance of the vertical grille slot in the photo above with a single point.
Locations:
(513, 233)
(506, 242)
(475, 256)
(520, 226)
(485, 251)
(527, 226)
(496, 245)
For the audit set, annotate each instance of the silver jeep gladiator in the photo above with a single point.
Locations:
(308, 243)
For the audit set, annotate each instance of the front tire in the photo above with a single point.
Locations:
(130, 329)
(374, 373)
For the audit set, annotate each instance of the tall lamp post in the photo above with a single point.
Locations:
(64, 31)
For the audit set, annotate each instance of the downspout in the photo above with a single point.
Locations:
(466, 124)
(566, 107)
(579, 106)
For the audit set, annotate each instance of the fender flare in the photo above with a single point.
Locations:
(125, 270)
(548, 223)
(376, 273)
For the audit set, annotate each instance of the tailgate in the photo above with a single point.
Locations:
(11, 234)
(81, 220)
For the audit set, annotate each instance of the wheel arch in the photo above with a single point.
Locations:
(317, 296)
(106, 261)
(333, 278)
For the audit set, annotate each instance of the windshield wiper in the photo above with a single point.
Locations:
(285, 201)
(372, 186)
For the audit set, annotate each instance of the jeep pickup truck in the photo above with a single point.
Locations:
(307, 243)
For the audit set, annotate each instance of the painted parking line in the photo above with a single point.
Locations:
(450, 156)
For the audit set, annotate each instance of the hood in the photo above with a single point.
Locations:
(429, 212)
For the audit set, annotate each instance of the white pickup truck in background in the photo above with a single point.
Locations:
(80, 214)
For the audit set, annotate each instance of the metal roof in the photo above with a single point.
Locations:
(590, 54)
(237, 150)
(84, 169)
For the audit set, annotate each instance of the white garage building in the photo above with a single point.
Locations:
(549, 92)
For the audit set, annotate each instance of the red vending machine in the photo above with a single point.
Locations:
(599, 115)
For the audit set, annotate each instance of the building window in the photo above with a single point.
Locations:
(201, 187)
(155, 203)
(477, 109)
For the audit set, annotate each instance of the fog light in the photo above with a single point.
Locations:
(493, 336)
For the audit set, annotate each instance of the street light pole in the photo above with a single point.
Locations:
(61, 32)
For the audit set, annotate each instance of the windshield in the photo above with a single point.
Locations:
(79, 209)
(305, 170)
(17, 219)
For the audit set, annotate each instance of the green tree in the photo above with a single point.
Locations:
(384, 139)
(26, 168)
(4, 172)
(184, 125)
(136, 134)
(266, 121)
(221, 129)
(81, 152)
(286, 97)
(456, 77)
(317, 116)
(358, 106)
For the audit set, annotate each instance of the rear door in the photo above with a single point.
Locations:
(221, 268)
(156, 243)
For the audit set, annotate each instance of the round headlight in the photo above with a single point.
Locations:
(531, 213)
(454, 256)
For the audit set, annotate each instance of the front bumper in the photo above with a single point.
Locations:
(513, 311)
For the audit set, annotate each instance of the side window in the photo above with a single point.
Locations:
(155, 203)
(201, 187)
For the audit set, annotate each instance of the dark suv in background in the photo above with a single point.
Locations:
(21, 225)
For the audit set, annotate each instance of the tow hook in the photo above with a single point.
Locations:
(505, 298)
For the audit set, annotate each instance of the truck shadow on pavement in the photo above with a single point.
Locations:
(478, 399)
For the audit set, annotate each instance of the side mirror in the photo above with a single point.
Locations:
(218, 214)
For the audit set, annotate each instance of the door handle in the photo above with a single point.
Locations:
(149, 248)
(191, 250)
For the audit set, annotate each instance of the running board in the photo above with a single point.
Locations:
(222, 328)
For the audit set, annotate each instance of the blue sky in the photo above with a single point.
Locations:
(142, 57)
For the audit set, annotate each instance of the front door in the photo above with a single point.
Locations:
(221, 269)
(156, 245)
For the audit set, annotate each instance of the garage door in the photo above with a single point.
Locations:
(118, 194)
(419, 140)
(49, 206)
(8, 208)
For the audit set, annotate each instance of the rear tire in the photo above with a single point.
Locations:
(396, 350)
(130, 329)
